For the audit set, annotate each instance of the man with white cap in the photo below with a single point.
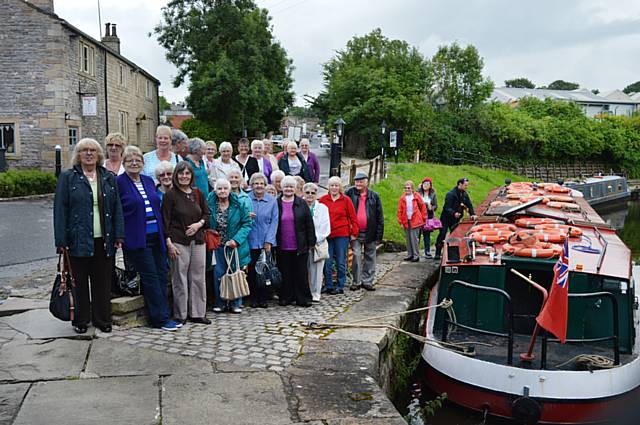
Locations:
(371, 224)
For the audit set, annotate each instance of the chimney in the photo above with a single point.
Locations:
(110, 38)
(46, 5)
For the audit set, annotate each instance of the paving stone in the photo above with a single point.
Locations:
(40, 324)
(115, 401)
(124, 305)
(14, 305)
(11, 396)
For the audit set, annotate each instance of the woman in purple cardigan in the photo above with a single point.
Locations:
(313, 165)
(144, 242)
(257, 151)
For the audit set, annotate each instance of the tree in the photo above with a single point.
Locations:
(163, 103)
(371, 80)
(458, 80)
(522, 83)
(563, 85)
(632, 88)
(239, 76)
(205, 131)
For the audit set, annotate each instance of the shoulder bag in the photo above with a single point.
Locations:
(62, 304)
(320, 251)
(267, 273)
(233, 284)
(211, 237)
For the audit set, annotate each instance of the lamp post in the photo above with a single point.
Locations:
(336, 148)
(383, 130)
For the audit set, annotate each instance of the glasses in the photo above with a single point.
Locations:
(310, 192)
(408, 188)
(133, 161)
(167, 174)
(112, 145)
(89, 150)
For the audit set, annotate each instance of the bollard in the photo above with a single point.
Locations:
(58, 160)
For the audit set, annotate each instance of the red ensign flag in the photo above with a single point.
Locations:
(553, 316)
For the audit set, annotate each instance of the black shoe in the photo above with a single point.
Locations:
(80, 329)
(105, 328)
(407, 259)
(254, 305)
(325, 290)
(332, 292)
(284, 303)
(338, 292)
(437, 257)
(369, 287)
(354, 287)
(202, 320)
(263, 305)
(415, 260)
(305, 305)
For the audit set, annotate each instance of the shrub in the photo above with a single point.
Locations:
(26, 182)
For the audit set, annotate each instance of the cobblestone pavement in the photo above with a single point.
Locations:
(257, 338)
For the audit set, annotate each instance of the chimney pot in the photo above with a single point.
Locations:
(113, 30)
(107, 29)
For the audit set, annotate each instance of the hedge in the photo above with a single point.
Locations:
(26, 182)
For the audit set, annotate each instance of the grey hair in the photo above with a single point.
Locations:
(257, 176)
(130, 151)
(235, 171)
(289, 181)
(178, 136)
(195, 144)
(225, 146)
(163, 167)
(83, 144)
(335, 179)
(310, 186)
(277, 173)
(292, 143)
(221, 181)
(256, 143)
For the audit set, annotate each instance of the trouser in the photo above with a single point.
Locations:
(98, 269)
(316, 271)
(446, 226)
(426, 235)
(258, 295)
(338, 254)
(295, 277)
(219, 271)
(151, 263)
(363, 269)
(189, 290)
(411, 237)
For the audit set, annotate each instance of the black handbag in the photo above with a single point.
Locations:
(125, 280)
(63, 296)
(267, 273)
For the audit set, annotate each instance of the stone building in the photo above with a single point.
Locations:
(60, 85)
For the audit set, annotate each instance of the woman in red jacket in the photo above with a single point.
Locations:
(412, 214)
(344, 228)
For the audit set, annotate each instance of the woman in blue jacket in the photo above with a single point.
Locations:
(88, 223)
(144, 236)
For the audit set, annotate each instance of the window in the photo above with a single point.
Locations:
(87, 59)
(73, 135)
(123, 123)
(7, 137)
(149, 92)
(122, 80)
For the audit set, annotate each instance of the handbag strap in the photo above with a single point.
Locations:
(234, 253)
(66, 266)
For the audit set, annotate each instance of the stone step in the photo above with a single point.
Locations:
(123, 305)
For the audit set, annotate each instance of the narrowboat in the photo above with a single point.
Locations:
(601, 189)
(484, 347)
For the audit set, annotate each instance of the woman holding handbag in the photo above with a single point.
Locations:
(230, 218)
(412, 215)
(88, 223)
(296, 236)
(185, 214)
(263, 233)
(320, 252)
(428, 195)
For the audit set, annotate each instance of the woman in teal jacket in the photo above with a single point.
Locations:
(230, 217)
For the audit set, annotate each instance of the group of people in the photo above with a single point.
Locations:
(157, 206)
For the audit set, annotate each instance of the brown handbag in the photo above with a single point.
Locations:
(211, 237)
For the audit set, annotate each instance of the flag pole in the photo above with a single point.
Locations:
(529, 356)
(99, 20)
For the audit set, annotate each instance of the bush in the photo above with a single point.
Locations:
(26, 182)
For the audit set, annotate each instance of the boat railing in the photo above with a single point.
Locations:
(497, 291)
(616, 329)
(604, 243)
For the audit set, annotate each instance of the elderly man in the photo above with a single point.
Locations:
(371, 224)
(455, 203)
(179, 143)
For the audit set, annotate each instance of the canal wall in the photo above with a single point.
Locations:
(354, 372)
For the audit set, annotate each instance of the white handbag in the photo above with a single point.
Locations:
(320, 251)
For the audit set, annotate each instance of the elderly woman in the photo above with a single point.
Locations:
(179, 143)
(320, 215)
(236, 181)
(186, 214)
(115, 144)
(144, 244)
(268, 153)
(211, 150)
(164, 176)
(276, 179)
(248, 164)
(231, 219)
(296, 236)
(299, 185)
(412, 215)
(271, 190)
(263, 233)
(293, 164)
(224, 164)
(313, 165)
(257, 151)
(162, 152)
(196, 152)
(344, 228)
(88, 223)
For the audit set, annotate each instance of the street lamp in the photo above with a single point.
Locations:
(335, 149)
(383, 130)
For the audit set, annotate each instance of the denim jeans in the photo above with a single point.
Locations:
(427, 241)
(338, 254)
(219, 270)
(151, 263)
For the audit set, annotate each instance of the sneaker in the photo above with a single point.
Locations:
(169, 325)
(369, 287)
(437, 257)
(180, 323)
(217, 309)
(428, 255)
(354, 287)
(236, 310)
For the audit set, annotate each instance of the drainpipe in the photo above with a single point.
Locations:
(157, 105)
(106, 103)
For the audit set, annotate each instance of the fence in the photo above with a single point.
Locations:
(373, 167)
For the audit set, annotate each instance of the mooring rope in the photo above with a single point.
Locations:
(590, 361)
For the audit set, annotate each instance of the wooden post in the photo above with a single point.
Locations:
(376, 176)
(416, 156)
(370, 169)
(352, 172)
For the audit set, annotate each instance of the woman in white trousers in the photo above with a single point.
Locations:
(320, 252)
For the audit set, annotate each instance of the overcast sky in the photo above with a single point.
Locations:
(591, 42)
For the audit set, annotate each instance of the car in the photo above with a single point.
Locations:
(324, 143)
(277, 139)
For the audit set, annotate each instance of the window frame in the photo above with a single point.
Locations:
(16, 136)
(87, 59)
(148, 89)
(123, 123)
(77, 135)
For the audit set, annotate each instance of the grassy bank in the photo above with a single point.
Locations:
(444, 177)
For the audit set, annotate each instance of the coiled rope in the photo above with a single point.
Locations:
(590, 361)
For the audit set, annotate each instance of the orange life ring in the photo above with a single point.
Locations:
(553, 236)
(558, 189)
(564, 206)
(494, 236)
(493, 226)
(533, 198)
(559, 198)
(529, 222)
(520, 184)
(515, 196)
(504, 203)
(546, 250)
(574, 232)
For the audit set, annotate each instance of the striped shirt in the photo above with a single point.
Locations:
(152, 223)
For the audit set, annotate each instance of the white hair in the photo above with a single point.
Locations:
(277, 173)
(163, 167)
(334, 179)
(221, 181)
(292, 143)
(257, 176)
(225, 146)
(257, 143)
(289, 181)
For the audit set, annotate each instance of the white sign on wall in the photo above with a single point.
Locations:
(89, 106)
(393, 139)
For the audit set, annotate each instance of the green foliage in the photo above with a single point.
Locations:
(301, 112)
(239, 76)
(196, 128)
(457, 77)
(163, 103)
(523, 83)
(430, 407)
(405, 359)
(632, 88)
(631, 232)
(26, 182)
(444, 177)
(563, 85)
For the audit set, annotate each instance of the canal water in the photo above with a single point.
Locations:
(625, 218)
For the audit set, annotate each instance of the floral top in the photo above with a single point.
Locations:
(223, 223)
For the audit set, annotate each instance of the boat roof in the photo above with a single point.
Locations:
(614, 259)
